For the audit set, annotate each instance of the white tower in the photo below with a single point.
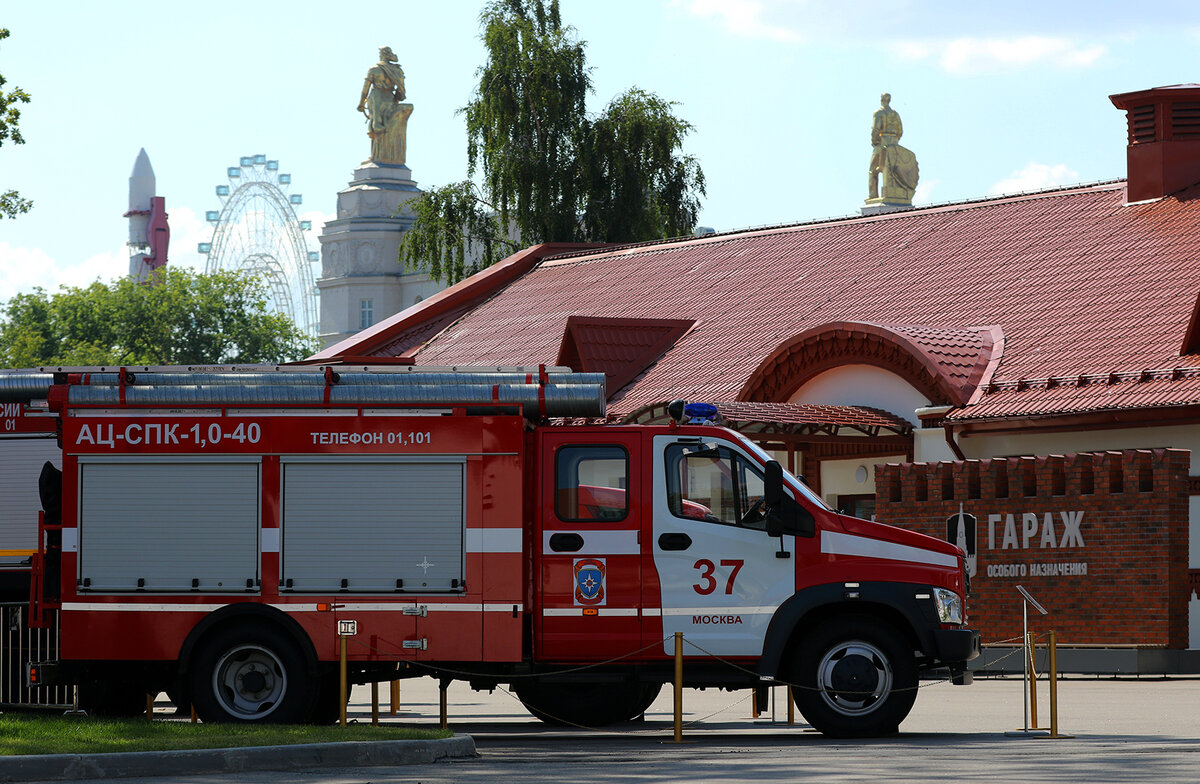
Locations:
(362, 281)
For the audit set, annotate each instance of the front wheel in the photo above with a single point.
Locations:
(251, 674)
(854, 677)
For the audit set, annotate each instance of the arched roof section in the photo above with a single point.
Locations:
(945, 365)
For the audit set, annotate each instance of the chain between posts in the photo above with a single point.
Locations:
(678, 638)
(344, 687)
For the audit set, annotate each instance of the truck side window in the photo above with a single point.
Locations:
(591, 483)
(710, 482)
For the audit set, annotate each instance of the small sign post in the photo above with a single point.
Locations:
(1027, 648)
(345, 629)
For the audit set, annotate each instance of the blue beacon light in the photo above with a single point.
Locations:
(700, 413)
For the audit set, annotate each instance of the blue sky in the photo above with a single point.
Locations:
(995, 97)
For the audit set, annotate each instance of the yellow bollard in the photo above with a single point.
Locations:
(342, 681)
(1031, 652)
(374, 703)
(1054, 689)
(678, 687)
(395, 706)
(444, 720)
(1053, 686)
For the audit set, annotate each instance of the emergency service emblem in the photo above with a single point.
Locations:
(589, 581)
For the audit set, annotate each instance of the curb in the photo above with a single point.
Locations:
(304, 756)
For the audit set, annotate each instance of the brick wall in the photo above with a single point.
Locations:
(1100, 539)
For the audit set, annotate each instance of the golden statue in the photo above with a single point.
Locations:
(387, 117)
(897, 164)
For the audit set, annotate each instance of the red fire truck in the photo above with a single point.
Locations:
(27, 439)
(210, 532)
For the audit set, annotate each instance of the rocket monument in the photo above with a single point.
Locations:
(148, 230)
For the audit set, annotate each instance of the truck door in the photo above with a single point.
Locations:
(720, 575)
(587, 552)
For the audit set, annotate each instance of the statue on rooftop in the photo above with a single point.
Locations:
(897, 164)
(387, 117)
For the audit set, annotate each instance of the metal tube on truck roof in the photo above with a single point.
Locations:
(24, 387)
(553, 401)
(343, 379)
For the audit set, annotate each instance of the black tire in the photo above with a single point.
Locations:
(855, 677)
(645, 699)
(327, 708)
(251, 674)
(584, 704)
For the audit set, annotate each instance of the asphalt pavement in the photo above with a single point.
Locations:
(1121, 731)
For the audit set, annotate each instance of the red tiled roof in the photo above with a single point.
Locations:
(619, 348)
(948, 363)
(409, 328)
(1174, 388)
(1079, 282)
(794, 416)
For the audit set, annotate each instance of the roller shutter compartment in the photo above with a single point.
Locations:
(169, 526)
(373, 526)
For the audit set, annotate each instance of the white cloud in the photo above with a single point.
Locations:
(925, 190)
(975, 55)
(24, 269)
(1034, 177)
(745, 18)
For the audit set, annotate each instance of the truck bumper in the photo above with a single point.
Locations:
(956, 646)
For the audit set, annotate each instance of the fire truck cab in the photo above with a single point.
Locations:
(208, 532)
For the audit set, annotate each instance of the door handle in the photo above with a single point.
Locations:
(566, 543)
(674, 541)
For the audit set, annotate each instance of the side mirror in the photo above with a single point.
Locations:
(773, 497)
(773, 485)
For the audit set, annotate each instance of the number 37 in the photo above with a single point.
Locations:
(708, 583)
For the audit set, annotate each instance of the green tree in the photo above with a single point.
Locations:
(548, 172)
(11, 203)
(638, 186)
(183, 318)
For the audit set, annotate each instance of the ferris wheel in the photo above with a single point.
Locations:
(257, 231)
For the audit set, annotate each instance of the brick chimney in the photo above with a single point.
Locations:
(1164, 139)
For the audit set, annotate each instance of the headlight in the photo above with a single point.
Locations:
(949, 605)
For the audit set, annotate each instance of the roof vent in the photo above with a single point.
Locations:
(1164, 140)
(621, 348)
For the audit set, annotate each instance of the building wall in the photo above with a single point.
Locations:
(1177, 437)
(862, 385)
(342, 298)
(1099, 539)
(844, 477)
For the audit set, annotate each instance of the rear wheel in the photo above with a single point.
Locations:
(327, 708)
(855, 677)
(585, 704)
(251, 674)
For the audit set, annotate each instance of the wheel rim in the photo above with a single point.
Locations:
(854, 678)
(249, 682)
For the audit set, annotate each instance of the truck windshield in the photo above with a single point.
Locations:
(762, 455)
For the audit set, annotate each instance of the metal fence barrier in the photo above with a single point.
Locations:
(20, 644)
